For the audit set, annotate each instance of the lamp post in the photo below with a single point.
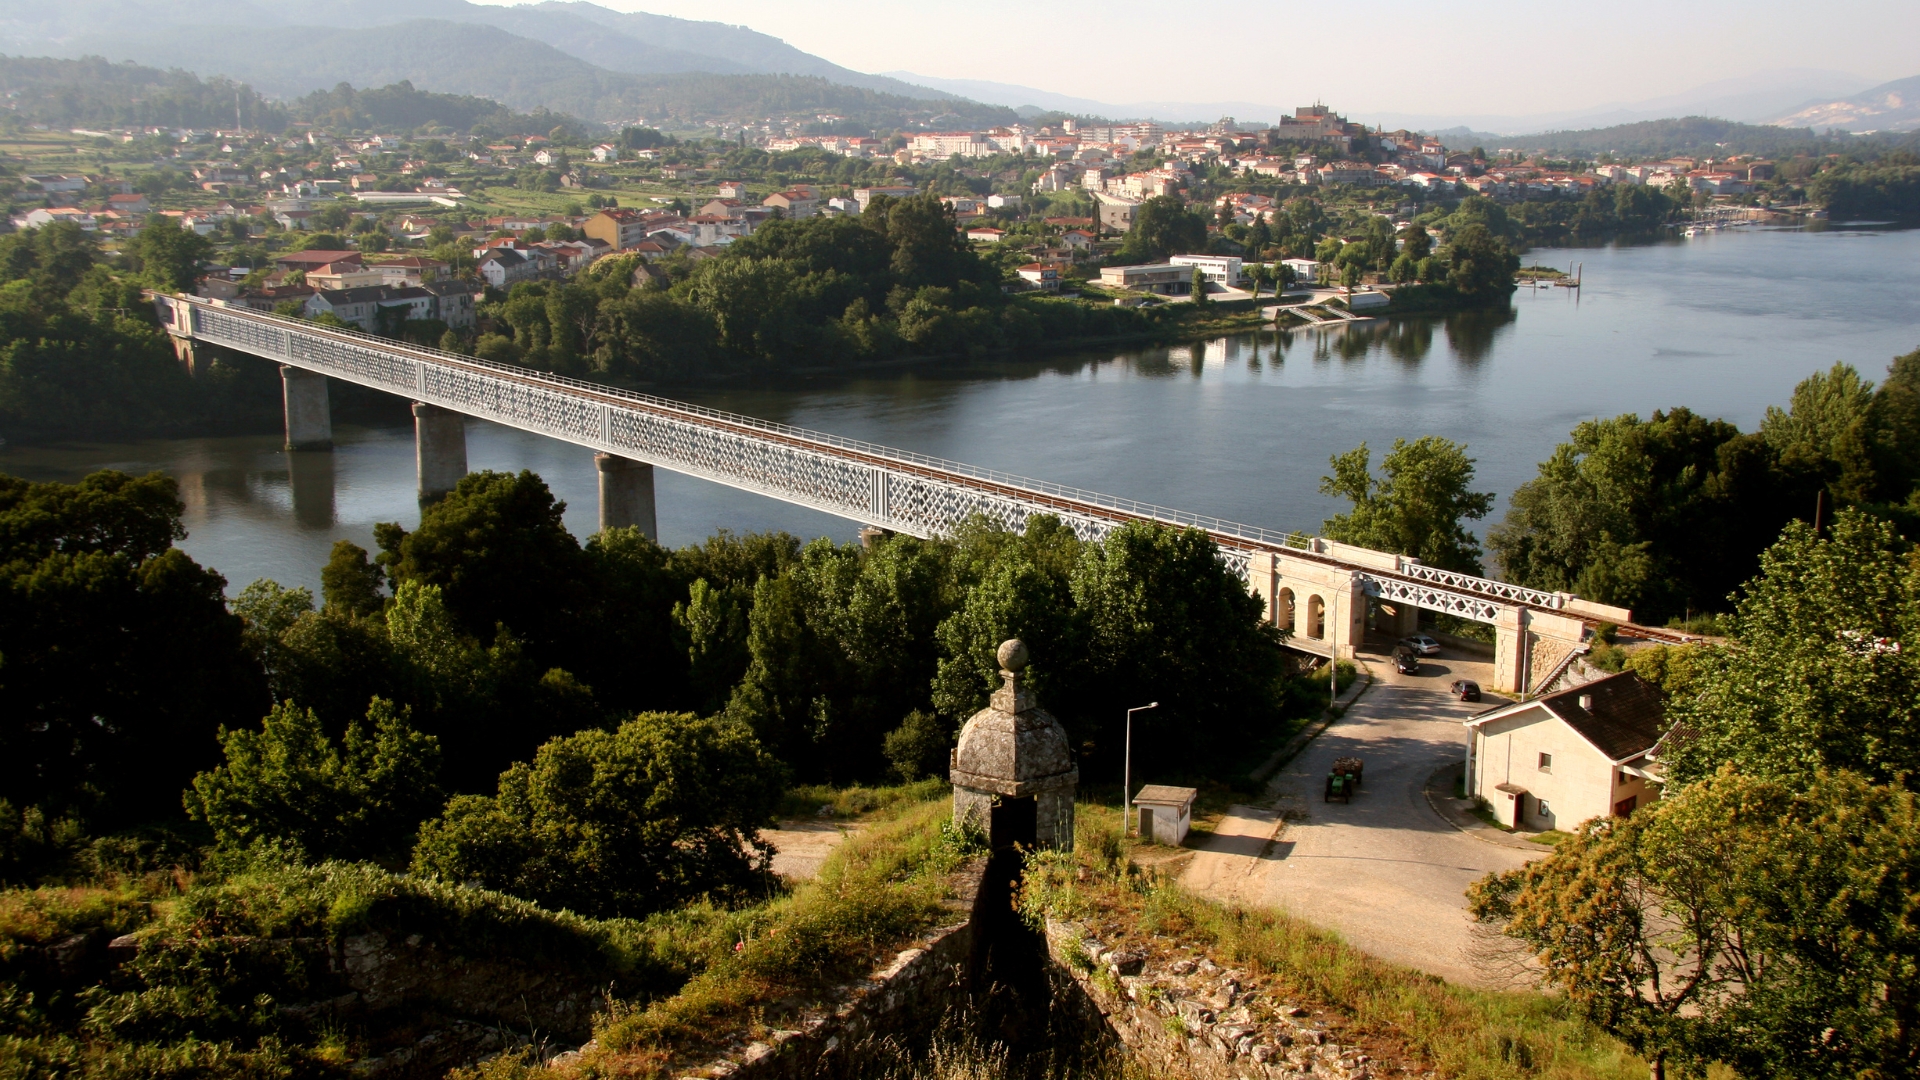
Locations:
(1126, 781)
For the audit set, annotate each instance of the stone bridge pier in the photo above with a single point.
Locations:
(626, 495)
(439, 450)
(303, 394)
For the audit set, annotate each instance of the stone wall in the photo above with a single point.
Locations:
(902, 999)
(1192, 1017)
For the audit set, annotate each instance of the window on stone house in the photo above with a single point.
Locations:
(1546, 762)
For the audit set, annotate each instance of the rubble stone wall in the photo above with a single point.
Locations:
(1191, 1016)
(909, 994)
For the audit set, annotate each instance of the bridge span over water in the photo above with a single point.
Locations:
(1328, 594)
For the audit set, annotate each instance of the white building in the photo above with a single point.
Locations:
(1303, 269)
(1219, 269)
(1166, 813)
(1557, 761)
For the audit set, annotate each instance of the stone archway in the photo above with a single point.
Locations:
(1316, 617)
(1283, 610)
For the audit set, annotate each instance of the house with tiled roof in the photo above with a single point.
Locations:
(1556, 761)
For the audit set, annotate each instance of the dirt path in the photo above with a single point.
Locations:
(1385, 870)
(800, 847)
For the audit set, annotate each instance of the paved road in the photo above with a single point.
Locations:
(1385, 870)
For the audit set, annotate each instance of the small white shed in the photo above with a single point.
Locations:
(1165, 813)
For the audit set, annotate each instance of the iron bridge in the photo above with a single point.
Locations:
(878, 485)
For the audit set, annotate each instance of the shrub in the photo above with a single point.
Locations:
(660, 812)
(289, 783)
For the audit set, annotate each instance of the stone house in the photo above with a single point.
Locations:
(1556, 761)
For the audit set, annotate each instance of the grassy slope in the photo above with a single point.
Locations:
(1426, 1022)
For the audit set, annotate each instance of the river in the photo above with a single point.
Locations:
(1239, 428)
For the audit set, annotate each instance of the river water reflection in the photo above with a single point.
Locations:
(1239, 428)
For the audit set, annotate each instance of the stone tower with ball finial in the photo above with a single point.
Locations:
(1013, 776)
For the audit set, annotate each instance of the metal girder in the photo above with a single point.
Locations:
(877, 485)
(1419, 594)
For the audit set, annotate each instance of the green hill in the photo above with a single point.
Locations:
(486, 61)
(1686, 135)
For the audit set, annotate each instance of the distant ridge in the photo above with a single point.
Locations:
(629, 43)
(1893, 106)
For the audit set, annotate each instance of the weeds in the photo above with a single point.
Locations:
(822, 801)
(1460, 1032)
(876, 889)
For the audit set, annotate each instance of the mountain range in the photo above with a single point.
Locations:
(1753, 99)
(571, 57)
(578, 57)
(1893, 106)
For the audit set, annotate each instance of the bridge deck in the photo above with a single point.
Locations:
(877, 485)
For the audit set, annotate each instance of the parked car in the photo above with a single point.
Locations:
(1466, 690)
(1405, 662)
(1422, 644)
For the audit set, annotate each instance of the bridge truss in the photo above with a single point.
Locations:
(878, 485)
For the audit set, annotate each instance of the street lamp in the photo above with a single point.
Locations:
(1126, 781)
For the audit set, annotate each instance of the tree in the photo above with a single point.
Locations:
(1163, 227)
(1160, 617)
(659, 812)
(1480, 264)
(1415, 507)
(1817, 677)
(288, 783)
(1742, 920)
(118, 657)
(170, 254)
(1828, 432)
(500, 552)
(349, 582)
(1664, 516)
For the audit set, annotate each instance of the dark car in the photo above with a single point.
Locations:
(1405, 662)
(1466, 690)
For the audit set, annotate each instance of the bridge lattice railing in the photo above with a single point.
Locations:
(880, 485)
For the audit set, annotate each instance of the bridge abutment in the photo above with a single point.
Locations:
(309, 415)
(439, 449)
(626, 495)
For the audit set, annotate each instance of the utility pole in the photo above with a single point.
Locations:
(1126, 776)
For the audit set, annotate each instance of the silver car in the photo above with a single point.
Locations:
(1421, 644)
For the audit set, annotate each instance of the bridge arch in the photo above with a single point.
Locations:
(1283, 610)
(1316, 617)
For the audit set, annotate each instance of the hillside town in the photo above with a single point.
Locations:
(1056, 201)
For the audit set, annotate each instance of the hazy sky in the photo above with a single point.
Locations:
(1489, 56)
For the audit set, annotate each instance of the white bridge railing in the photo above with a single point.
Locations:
(878, 485)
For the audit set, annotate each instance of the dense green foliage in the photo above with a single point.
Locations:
(1669, 514)
(239, 976)
(1746, 921)
(1820, 680)
(289, 785)
(844, 647)
(1163, 226)
(400, 106)
(1417, 506)
(897, 279)
(118, 658)
(1762, 914)
(91, 92)
(656, 813)
(1856, 190)
(82, 355)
